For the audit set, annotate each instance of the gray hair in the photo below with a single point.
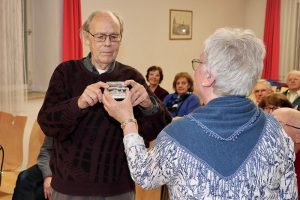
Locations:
(235, 58)
(265, 83)
(86, 24)
(293, 72)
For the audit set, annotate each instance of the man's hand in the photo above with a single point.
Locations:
(139, 95)
(47, 187)
(91, 95)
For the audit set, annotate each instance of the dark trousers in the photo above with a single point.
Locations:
(29, 185)
(164, 195)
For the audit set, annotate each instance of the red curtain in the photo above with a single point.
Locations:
(272, 40)
(72, 47)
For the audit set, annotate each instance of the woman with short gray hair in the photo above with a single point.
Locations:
(227, 149)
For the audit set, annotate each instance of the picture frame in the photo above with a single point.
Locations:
(180, 24)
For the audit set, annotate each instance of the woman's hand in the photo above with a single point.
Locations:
(120, 110)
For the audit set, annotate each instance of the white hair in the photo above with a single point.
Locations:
(235, 58)
(265, 83)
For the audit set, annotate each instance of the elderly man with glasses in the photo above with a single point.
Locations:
(88, 159)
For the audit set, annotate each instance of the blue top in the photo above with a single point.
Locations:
(181, 105)
(227, 149)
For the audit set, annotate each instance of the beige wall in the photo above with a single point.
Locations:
(146, 37)
(255, 16)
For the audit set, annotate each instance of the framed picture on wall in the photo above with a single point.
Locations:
(181, 22)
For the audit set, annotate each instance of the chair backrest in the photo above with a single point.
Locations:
(1, 162)
(35, 142)
(11, 138)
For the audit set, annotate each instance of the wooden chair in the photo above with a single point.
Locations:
(1, 162)
(11, 138)
(35, 142)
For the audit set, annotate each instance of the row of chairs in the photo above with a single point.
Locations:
(11, 140)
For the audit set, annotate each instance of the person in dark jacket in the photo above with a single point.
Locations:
(88, 159)
(34, 182)
(293, 92)
(155, 76)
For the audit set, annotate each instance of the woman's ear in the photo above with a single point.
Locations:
(208, 79)
(297, 138)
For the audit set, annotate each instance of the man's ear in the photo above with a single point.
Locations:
(208, 79)
(86, 38)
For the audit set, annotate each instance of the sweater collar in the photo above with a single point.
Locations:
(87, 62)
(227, 116)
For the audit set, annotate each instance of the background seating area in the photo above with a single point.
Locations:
(11, 139)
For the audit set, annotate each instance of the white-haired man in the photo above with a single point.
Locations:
(261, 89)
(293, 92)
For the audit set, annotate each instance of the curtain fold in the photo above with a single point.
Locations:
(12, 56)
(272, 40)
(72, 47)
(290, 19)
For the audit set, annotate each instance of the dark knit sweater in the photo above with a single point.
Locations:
(161, 93)
(88, 156)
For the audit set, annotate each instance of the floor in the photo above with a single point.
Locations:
(9, 179)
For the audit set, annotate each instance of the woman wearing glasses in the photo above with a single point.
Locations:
(227, 149)
(289, 119)
(274, 101)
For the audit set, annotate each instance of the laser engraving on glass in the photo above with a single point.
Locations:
(117, 89)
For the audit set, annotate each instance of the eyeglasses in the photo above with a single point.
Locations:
(296, 127)
(103, 37)
(195, 63)
(262, 90)
(270, 108)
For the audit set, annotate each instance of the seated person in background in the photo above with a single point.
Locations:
(293, 92)
(155, 76)
(290, 121)
(271, 102)
(225, 149)
(261, 89)
(182, 101)
(34, 182)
